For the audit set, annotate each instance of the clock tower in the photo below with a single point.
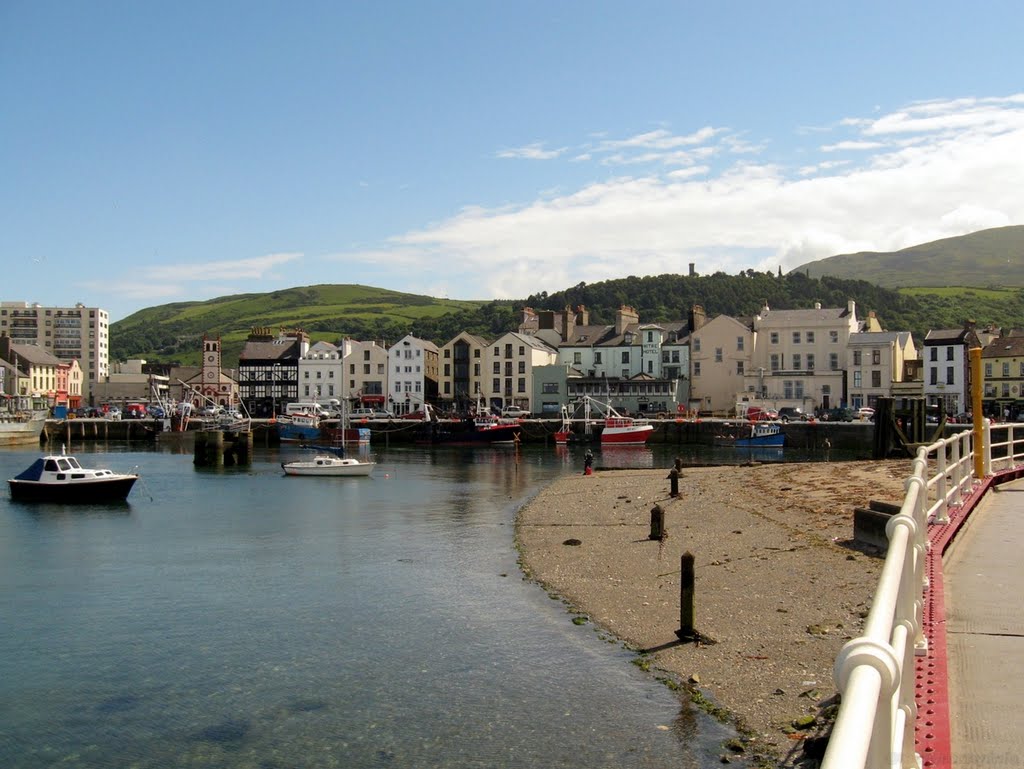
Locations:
(210, 375)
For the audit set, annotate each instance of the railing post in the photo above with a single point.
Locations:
(986, 451)
(942, 514)
(958, 471)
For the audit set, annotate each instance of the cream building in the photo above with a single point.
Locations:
(720, 353)
(877, 361)
(509, 364)
(366, 373)
(462, 375)
(800, 356)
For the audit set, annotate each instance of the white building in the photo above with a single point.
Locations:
(321, 375)
(412, 374)
(69, 333)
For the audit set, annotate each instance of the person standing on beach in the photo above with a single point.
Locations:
(588, 462)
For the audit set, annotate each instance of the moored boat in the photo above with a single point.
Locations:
(625, 431)
(298, 428)
(329, 462)
(20, 429)
(60, 478)
(756, 434)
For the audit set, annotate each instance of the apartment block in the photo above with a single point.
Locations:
(69, 333)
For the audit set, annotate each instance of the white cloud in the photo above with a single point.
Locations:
(250, 268)
(928, 170)
(533, 151)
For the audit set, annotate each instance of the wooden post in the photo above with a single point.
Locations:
(657, 523)
(686, 631)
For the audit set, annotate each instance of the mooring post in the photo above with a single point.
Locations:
(673, 477)
(686, 579)
(657, 523)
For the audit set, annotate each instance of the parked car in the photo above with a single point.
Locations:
(369, 413)
(792, 414)
(839, 414)
(514, 412)
(157, 412)
(759, 414)
(113, 413)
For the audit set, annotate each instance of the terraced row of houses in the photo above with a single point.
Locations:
(814, 359)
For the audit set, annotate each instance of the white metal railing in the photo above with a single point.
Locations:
(874, 727)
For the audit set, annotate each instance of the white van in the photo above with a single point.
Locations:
(309, 409)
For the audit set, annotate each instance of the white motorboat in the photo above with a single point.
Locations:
(60, 478)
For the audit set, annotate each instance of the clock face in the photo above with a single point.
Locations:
(210, 358)
(209, 375)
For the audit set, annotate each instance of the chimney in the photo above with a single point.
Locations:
(565, 323)
(697, 317)
(582, 316)
(623, 317)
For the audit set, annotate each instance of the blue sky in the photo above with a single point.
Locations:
(153, 153)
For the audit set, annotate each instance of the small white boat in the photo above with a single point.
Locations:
(326, 462)
(60, 478)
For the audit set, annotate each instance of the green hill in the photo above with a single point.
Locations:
(328, 312)
(988, 258)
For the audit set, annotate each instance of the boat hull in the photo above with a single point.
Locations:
(21, 433)
(359, 469)
(457, 434)
(774, 441)
(74, 492)
(632, 436)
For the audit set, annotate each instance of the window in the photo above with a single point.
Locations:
(798, 389)
(796, 362)
(810, 361)
(876, 357)
(988, 370)
(935, 353)
(796, 337)
(773, 337)
(1006, 369)
(857, 379)
(787, 389)
(549, 387)
(949, 353)
(739, 368)
(856, 358)
(833, 337)
(833, 361)
(521, 384)
(950, 379)
(933, 375)
(625, 356)
(876, 378)
(696, 344)
(597, 357)
(522, 367)
(810, 337)
(774, 361)
(739, 343)
(496, 386)
(577, 358)
(718, 355)
(497, 367)
(696, 368)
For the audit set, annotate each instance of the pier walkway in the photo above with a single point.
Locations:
(984, 612)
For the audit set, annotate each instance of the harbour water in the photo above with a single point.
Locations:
(241, 618)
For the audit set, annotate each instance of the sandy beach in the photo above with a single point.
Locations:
(780, 585)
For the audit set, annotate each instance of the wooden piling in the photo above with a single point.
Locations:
(657, 523)
(686, 581)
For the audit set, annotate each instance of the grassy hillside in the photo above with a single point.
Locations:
(988, 258)
(327, 312)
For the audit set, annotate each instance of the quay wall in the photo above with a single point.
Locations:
(803, 435)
